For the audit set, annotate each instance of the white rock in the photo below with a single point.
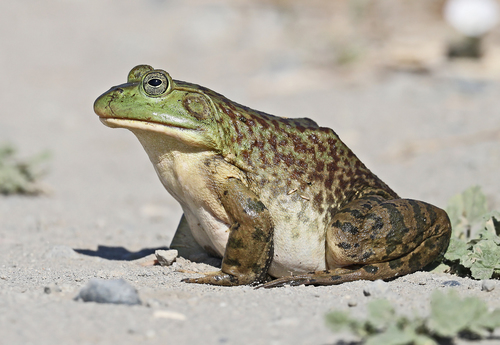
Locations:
(166, 257)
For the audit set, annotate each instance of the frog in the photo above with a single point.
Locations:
(282, 201)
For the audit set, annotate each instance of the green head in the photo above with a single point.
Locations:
(152, 101)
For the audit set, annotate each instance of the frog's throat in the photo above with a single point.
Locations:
(192, 137)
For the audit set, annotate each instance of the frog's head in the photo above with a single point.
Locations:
(151, 101)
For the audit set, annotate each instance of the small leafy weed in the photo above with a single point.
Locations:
(20, 176)
(450, 317)
(474, 249)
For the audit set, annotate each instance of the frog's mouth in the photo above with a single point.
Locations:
(191, 136)
(115, 122)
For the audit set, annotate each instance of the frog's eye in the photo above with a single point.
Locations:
(156, 83)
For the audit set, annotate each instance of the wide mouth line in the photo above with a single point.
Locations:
(151, 122)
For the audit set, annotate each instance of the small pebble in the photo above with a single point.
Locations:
(487, 285)
(352, 303)
(116, 291)
(53, 288)
(153, 303)
(166, 257)
(451, 283)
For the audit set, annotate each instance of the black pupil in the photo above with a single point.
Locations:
(155, 82)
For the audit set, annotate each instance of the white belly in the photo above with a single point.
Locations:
(294, 255)
(208, 231)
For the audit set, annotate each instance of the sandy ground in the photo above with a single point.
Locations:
(428, 135)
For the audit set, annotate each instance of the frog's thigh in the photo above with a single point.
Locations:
(370, 230)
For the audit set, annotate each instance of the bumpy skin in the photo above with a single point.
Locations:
(275, 197)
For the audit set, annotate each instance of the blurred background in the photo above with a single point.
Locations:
(411, 86)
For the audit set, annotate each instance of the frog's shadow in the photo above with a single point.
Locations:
(118, 253)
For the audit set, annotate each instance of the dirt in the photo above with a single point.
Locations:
(427, 126)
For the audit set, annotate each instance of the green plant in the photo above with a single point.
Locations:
(475, 242)
(20, 176)
(450, 317)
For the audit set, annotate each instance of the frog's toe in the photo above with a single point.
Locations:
(216, 278)
(283, 281)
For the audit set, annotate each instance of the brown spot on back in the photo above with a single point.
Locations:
(275, 124)
(318, 202)
(332, 167)
(261, 121)
(320, 166)
(246, 155)
(328, 183)
(272, 141)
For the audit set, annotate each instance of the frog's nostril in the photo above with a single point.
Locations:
(119, 89)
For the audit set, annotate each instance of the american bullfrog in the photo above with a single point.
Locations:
(280, 200)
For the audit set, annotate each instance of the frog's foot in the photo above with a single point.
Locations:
(326, 277)
(215, 278)
(283, 281)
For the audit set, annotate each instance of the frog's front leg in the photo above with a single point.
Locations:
(373, 238)
(249, 248)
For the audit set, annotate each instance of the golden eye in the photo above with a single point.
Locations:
(155, 83)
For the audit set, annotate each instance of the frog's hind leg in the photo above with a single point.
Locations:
(372, 238)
